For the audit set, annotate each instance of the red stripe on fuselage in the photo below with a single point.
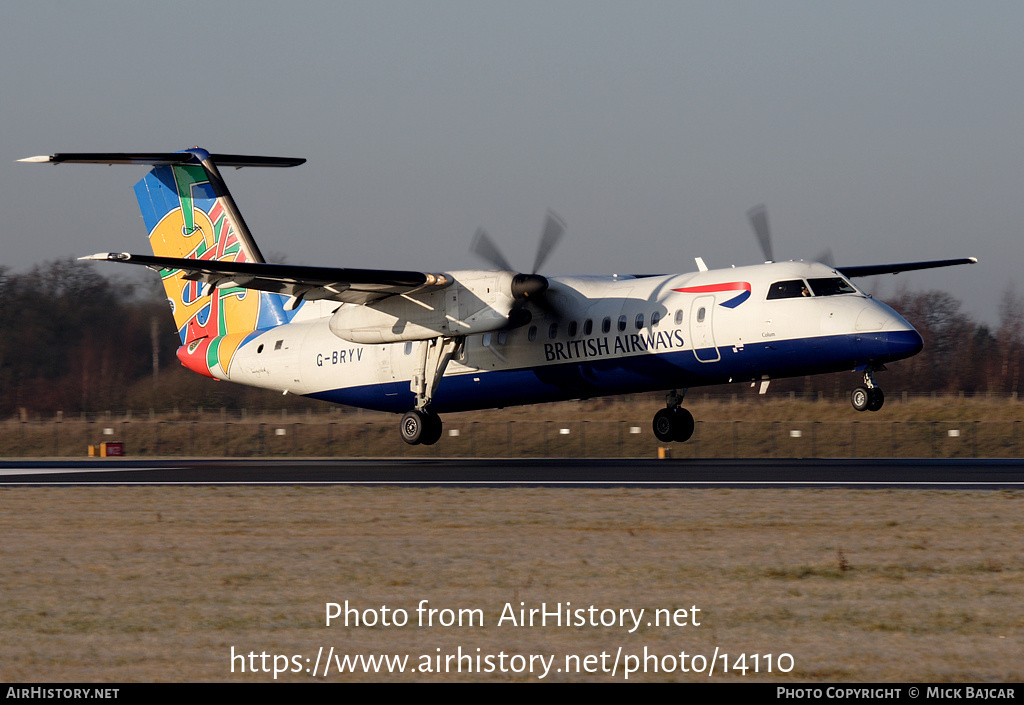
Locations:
(711, 288)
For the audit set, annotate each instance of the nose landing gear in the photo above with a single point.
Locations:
(673, 423)
(870, 396)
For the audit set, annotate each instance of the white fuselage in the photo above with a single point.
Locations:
(602, 335)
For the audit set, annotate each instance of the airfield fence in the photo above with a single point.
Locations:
(521, 439)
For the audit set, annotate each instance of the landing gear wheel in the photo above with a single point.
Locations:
(860, 398)
(673, 424)
(663, 426)
(432, 434)
(683, 425)
(419, 426)
(875, 399)
(413, 426)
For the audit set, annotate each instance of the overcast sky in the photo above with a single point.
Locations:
(886, 131)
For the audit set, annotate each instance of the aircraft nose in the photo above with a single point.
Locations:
(889, 345)
(903, 343)
(885, 335)
(901, 338)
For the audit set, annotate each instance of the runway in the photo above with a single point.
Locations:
(864, 473)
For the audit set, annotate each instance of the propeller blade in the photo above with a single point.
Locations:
(554, 228)
(758, 216)
(484, 248)
(525, 288)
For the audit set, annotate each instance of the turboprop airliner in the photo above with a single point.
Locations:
(423, 343)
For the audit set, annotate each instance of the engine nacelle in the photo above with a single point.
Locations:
(476, 302)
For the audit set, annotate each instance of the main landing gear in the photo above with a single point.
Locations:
(421, 426)
(673, 423)
(870, 396)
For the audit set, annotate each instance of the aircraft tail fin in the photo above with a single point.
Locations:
(189, 213)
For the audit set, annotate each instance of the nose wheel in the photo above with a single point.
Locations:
(870, 396)
(864, 399)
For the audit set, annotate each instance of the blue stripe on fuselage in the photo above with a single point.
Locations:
(637, 373)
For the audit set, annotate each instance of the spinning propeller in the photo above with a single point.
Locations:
(526, 288)
(758, 216)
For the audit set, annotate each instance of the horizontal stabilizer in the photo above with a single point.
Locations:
(357, 286)
(163, 159)
(872, 270)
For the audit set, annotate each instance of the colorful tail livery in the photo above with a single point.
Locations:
(189, 213)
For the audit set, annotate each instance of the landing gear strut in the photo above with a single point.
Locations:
(421, 426)
(673, 423)
(870, 396)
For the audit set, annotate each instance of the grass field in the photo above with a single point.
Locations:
(737, 426)
(158, 584)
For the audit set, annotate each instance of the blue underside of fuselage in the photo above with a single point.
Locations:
(584, 378)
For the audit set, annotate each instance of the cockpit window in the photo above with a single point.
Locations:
(831, 286)
(792, 289)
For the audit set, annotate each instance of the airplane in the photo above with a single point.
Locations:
(424, 343)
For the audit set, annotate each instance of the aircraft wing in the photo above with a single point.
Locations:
(354, 286)
(872, 270)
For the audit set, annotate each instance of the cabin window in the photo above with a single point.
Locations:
(278, 344)
(408, 348)
(553, 331)
(655, 319)
(532, 334)
(639, 321)
(791, 289)
(679, 317)
(260, 348)
(502, 337)
(622, 323)
(573, 327)
(606, 324)
(588, 327)
(831, 286)
(486, 340)
(701, 312)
